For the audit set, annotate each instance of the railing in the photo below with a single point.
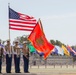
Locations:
(52, 61)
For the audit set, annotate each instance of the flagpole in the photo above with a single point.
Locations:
(40, 24)
(8, 21)
(39, 21)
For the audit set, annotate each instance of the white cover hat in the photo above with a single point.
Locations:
(8, 39)
(0, 40)
(25, 42)
(16, 41)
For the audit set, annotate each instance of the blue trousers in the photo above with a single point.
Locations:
(8, 63)
(26, 64)
(17, 63)
(0, 65)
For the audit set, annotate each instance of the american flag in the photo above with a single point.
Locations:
(19, 21)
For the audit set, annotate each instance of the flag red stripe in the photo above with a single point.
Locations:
(21, 26)
(21, 21)
(20, 29)
(31, 20)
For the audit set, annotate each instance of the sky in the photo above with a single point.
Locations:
(58, 18)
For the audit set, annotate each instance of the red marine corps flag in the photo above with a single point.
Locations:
(19, 21)
(39, 41)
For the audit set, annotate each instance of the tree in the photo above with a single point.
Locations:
(58, 43)
(52, 42)
(22, 38)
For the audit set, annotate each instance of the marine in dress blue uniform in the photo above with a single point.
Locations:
(1, 55)
(16, 49)
(25, 50)
(8, 49)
